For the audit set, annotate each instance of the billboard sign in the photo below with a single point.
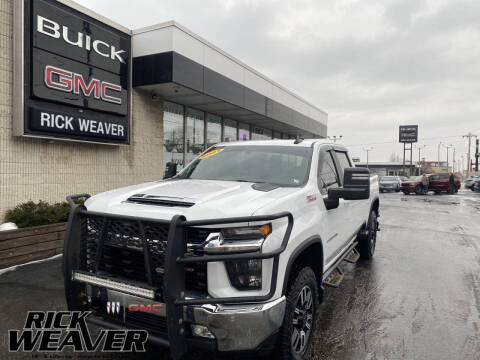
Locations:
(408, 133)
(76, 75)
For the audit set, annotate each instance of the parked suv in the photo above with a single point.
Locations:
(234, 251)
(390, 183)
(438, 183)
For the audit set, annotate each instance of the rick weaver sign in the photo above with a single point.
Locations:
(76, 75)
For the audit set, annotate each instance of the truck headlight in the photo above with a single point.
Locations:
(242, 239)
(245, 274)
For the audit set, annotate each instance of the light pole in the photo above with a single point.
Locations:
(453, 160)
(335, 138)
(438, 162)
(367, 150)
(447, 147)
(420, 149)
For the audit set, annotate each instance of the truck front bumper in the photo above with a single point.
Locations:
(241, 327)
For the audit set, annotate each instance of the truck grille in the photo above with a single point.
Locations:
(123, 253)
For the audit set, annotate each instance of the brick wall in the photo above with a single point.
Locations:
(34, 169)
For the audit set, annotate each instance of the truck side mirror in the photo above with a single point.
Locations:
(356, 186)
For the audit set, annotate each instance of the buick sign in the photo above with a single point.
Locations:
(76, 75)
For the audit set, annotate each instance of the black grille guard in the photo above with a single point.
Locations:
(175, 260)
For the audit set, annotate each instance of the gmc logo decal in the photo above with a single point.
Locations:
(70, 82)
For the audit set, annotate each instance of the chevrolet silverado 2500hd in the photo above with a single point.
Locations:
(232, 254)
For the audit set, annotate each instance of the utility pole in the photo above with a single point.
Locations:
(335, 138)
(469, 136)
(477, 155)
(367, 150)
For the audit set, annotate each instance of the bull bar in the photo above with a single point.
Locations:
(175, 261)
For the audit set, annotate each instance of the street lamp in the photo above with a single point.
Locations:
(367, 150)
(335, 138)
(447, 147)
(420, 149)
(438, 162)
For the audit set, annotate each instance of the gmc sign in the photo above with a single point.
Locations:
(67, 81)
(76, 73)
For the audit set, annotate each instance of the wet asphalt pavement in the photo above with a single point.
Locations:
(419, 298)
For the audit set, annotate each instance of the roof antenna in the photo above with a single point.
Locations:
(298, 140)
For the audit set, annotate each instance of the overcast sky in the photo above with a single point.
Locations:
(372, 65)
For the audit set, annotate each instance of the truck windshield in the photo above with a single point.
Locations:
(277, 165)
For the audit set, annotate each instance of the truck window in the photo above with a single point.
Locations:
(327, 174)
(279, 165)
(344, 162)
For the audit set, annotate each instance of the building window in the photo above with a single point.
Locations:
(261, 134)
(173, 134)
(214, 129)
(229, 130)
(243, 131)
(194, 133)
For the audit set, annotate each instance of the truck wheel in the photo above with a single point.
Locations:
(419, 190)
(367, 242)
(296, 334)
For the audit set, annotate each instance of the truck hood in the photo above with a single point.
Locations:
(195, 199)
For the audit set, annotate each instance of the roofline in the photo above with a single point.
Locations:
(208, 43)
(76, 6)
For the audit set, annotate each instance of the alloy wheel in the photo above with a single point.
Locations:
(302, 320)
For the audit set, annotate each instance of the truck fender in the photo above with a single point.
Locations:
(315, 239)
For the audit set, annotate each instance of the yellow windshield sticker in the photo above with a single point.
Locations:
(210, 153)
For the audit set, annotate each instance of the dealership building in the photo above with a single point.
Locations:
(87, 105)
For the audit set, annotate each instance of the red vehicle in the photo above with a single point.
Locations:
(438, 183)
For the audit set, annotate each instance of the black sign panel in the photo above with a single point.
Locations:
(77, 75)
(70, 82)
(82, 125)
(408, 133)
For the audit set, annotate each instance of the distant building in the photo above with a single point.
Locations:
(434, 167)
(390, 168)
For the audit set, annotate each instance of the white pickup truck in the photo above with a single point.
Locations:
(232, 254)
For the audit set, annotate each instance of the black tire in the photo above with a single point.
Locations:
(397, 190)
(367, 242)
(419, 190)
(299, 315)
(381, 190)
(437, 192)
(406, 192)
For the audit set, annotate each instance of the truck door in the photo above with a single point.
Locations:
(355, 210)
(332, 227)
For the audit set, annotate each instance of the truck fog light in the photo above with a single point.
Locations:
(245, 274)
(201, 331)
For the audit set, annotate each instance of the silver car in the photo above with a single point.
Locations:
(390, 183)
(470, 182)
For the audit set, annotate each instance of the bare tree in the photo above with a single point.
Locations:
(394, 157)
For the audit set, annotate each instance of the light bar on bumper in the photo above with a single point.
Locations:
(114, 285)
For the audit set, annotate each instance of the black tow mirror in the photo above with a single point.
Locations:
(356, 186)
